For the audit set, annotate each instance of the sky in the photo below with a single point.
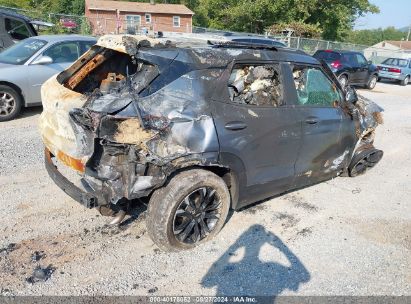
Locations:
(395, 13)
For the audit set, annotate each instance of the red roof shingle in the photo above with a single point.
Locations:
(158, 8)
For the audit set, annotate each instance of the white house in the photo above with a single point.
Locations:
(388, 48)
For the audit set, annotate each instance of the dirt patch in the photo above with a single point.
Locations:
(385, 232)
(35, 260)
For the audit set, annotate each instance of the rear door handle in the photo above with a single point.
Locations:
(311, 120)
(235, 125)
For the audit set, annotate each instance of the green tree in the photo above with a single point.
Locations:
(334, 17)
(371, 37)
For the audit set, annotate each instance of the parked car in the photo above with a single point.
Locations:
(25, 66)
(198, 131)
(351, 68)
(68, 23)
(255, 40)
(396, 69)
(16, 27)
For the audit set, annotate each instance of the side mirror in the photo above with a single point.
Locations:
(369, 62)
(351, 95)
(43, 60)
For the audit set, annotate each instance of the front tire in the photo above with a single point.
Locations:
(372, 82)
(190, 210)
(10, 103)
(405, 81)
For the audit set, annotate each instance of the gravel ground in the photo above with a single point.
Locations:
(347, 236)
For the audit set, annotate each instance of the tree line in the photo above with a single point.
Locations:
(328, 19)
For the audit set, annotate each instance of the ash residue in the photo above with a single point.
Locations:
(37, 256)
(41, 274)
(300, 203)
(9, 248)
(287, 220)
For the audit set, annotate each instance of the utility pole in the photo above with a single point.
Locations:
(409, 31)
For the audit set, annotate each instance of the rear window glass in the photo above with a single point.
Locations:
(396, 62)
(327, 56)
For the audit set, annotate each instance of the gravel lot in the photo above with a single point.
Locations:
(347, 236)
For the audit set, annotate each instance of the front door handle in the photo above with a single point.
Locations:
(235, 125)
(312, 120)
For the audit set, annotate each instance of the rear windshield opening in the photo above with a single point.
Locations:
(105, 70)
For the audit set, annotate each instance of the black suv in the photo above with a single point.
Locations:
(351, 68)
(198, 131)
(15, 27)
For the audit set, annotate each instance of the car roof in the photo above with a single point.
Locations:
(57, 38)
(247, 37)
(339, 51)
(209, 57)
(10, 13)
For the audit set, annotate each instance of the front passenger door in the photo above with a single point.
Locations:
(323, 152)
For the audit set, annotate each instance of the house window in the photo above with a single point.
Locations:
(148, 18)
(176, 21)
(133, 23)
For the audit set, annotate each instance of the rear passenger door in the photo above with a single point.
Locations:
(355, 71)
(362, 72)
(258, 132)
(323, 152)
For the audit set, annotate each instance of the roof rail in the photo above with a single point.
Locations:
(240, 45)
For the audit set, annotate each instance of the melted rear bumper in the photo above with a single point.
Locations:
(89, 199)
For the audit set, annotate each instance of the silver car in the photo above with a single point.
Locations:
(396, 69)
(25, 66)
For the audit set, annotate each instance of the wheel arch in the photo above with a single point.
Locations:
(16, 88)
(225, 173)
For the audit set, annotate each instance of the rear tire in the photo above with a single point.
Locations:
(372, 82)
(11, 103)
(405, 81)
(189, 211)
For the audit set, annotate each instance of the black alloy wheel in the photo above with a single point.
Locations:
(197, 215)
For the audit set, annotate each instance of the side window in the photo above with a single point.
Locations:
(63, 52)
(176, 21)
(361, 60)
(16, 29)
(352, 59)
(314, 88)
(259, 85)
(85, 46)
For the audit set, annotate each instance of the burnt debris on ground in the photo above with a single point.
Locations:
(41, 274)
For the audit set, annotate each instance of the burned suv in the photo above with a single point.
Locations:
(199, 131)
